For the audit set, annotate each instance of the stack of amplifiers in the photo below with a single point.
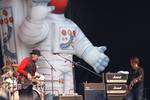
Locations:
(116, 86)
(94, 91)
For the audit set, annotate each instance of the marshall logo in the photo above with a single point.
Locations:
(117, 77)
(117, 88)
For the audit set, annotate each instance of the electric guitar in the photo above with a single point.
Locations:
(38, 80)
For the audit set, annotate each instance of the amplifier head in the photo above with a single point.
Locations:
(116, 78)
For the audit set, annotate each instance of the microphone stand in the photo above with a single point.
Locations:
(77, 64)
(52, 69)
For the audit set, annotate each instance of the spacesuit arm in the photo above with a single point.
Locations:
(35, 29)
(94, 56)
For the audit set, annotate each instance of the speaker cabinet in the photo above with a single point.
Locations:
(117, 89)
(94, 95)
(94, 91)
(78, 97)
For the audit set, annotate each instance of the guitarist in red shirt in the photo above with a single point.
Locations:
(135, 80)
(26, 70)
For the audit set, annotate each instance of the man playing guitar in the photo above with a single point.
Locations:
(135, 80)
(27, 69)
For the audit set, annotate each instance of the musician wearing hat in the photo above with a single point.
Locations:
(26, 70)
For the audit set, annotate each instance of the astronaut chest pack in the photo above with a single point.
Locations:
(64, 38)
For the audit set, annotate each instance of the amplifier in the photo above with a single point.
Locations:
(94, 91)
(116, 78)
(117, 89)
(94, 95)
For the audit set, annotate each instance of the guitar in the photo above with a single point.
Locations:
(133, 82)
(59, 81)
(38, 80)
(24, 82)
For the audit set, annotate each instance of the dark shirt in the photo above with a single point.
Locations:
(136, 74)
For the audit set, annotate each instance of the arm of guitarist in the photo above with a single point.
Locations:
(138, 79)
(21, 69)
(135, 81)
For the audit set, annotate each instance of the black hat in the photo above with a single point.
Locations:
(36, 52)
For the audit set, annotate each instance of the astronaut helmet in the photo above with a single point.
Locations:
(59, 6)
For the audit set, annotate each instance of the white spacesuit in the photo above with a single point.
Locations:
(58, 38)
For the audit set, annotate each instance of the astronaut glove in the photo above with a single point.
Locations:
(95, 57)
(103, 60)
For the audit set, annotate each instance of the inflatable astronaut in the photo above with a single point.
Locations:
(58, 38)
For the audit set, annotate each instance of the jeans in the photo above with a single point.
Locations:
(135, 94)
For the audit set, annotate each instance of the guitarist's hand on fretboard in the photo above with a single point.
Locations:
(133, 82)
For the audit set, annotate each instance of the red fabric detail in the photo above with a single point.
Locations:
(22, 66)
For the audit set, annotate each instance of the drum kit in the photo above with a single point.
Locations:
(9, 86)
